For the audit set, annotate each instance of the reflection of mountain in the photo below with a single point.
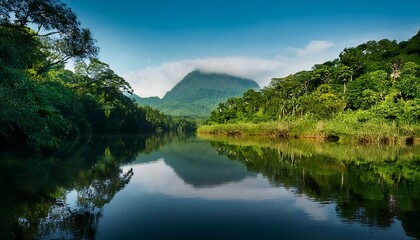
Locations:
(209, 169)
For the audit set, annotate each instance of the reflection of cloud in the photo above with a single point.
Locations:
(158, 177)
(169, 183)
(157, 80)
(315, 210)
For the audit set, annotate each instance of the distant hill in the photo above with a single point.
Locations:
(198, 94)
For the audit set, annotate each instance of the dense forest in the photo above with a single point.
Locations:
(41, 102)
(374, 84)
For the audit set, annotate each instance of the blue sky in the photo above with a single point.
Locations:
(153, 44)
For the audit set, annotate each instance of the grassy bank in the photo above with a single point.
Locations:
(343, 131)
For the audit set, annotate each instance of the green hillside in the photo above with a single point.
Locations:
(198, 93)
(371, 91)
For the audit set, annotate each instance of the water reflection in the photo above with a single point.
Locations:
(193, 169)
(255, 188)
(61, 195)
(166, 187)
(78, 219)
(197, 164)
(376, 191)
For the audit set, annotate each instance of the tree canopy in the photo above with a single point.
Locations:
(42, 103)
(380, 79)
(55, 24)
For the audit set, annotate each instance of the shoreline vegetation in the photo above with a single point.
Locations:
(321, 131)
(43, 104)
(369, 94)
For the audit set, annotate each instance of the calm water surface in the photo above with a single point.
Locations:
(173, 187)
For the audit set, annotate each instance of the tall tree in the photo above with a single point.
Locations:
(354, 58)
(55, 24)
(98, 79)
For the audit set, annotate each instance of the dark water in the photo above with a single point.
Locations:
(173, 187)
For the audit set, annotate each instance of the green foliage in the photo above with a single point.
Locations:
(409, 82)
(355, 59)
(41, 103)
(17, 48)
(55, 24)
(367, 90)
(161, 122)
(377, 82)
(412, 46)
(323, 102)
(252, 129)
(363, 127)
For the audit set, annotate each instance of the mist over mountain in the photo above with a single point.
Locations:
(198, 93)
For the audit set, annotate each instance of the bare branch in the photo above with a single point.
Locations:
(48, 34)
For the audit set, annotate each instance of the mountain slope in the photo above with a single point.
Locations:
(198, 93)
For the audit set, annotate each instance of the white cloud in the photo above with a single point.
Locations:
(156, 81)
(314, 48)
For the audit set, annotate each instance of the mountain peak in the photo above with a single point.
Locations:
(198, 93)
(196, 83)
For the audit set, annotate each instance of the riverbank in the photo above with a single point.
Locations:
(323, 131)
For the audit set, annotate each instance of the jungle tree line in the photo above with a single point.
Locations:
(42, 103)
(376, 80)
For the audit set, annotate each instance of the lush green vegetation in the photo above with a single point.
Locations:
(198, 94)
(371, 92)
(41, 102)
(322, 130)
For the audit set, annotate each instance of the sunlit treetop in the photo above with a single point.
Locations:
(52, 21)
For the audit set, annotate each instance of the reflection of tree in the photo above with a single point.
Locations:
(155, 142)
(369, 192)
(81, 222)
(101, 190)
(32, 187)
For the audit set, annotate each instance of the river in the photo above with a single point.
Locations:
(188, 187)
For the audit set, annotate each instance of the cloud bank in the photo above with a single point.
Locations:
(156, 81)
